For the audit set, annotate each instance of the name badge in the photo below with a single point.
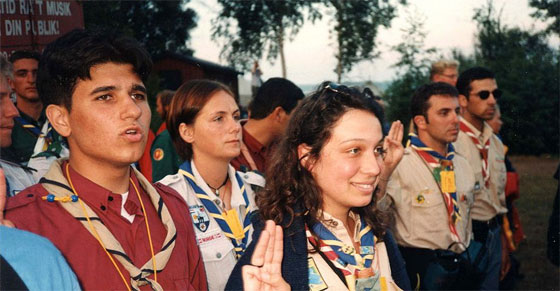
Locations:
(448, 181)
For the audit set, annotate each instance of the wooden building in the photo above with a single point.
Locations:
(174, 69)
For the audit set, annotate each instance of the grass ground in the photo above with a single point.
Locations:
(537, 190)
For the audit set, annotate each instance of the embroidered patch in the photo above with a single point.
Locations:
(316, 282)
(158, 154)
(200, 217)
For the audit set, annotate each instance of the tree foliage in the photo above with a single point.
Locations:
(547, 9)
(526, 68)
(413, 69)
(250, 28)
(355, 29)
(159, 25)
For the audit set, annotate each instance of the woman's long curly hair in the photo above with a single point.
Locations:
(290, 188)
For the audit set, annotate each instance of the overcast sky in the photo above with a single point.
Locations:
(310, 56)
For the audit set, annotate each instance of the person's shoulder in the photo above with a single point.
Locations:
(171, 180)
(27, 240)
(29, 197)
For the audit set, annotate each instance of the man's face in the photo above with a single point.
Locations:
(25, 75)
(109, 120)
(449, 76)
(442, 125)
(7, 113)
(476, 107)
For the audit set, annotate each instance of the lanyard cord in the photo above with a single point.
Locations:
(99, 239)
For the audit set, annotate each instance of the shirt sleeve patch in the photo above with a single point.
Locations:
(158, 154)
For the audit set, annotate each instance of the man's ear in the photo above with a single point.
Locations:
(279, 114)
(305, 161)
(420, 121)
(59, 117)
(463, 101)
(186, 132)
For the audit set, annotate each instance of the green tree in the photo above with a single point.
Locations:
(547, 9)
(413, 69)
(159, 25)
(355, 28)
(250, 28)
(526, 68)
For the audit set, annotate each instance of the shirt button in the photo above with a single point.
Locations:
(218, 255)
(110, 198)
(103, 207)
(246, 176)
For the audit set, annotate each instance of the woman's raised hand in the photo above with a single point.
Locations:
(265, 270)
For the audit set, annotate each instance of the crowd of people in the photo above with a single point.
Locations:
(309, 193)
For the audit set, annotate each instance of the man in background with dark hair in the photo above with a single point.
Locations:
(432, 190)
(28, 126)
(478, 97)
(116, 230)
(269, 114)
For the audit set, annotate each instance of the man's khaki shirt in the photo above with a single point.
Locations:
(421, 218)
(489, 201)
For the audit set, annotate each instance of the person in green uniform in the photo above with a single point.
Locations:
(30, 125)
(165, 160)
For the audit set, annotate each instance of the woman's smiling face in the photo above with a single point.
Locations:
(349, 163)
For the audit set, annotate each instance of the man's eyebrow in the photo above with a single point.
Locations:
(140, 88)
(102, 89)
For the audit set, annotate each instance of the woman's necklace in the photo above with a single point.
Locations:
(99, 239)
(217, 189)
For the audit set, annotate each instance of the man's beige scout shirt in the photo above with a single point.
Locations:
(421, 214)
(489, 201)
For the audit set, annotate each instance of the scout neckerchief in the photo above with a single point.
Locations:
(56, 184)
(442, 170)
(343, 256)
(483, 149)
(36, 130)
(228, 220)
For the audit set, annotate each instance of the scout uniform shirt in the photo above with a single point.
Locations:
(179, 266)
(165, 160)
(217, 250)
(24, 137)
(323, 277)
(421, 214)
(489, 197)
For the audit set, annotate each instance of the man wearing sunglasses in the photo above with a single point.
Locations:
(478, 97)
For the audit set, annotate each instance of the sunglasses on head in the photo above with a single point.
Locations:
(484, 94)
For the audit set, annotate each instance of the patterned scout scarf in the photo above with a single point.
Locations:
(36, 131)
(343, 256)
(55, 183)
(442, 170)
(227, 220)
(483, 149)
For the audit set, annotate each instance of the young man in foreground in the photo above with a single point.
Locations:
(115, 229)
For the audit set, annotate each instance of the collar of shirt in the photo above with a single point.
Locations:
(236, 195)
(336, 227)
(252, 143)
(102, 200)
(482, 136)
(39, 123)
